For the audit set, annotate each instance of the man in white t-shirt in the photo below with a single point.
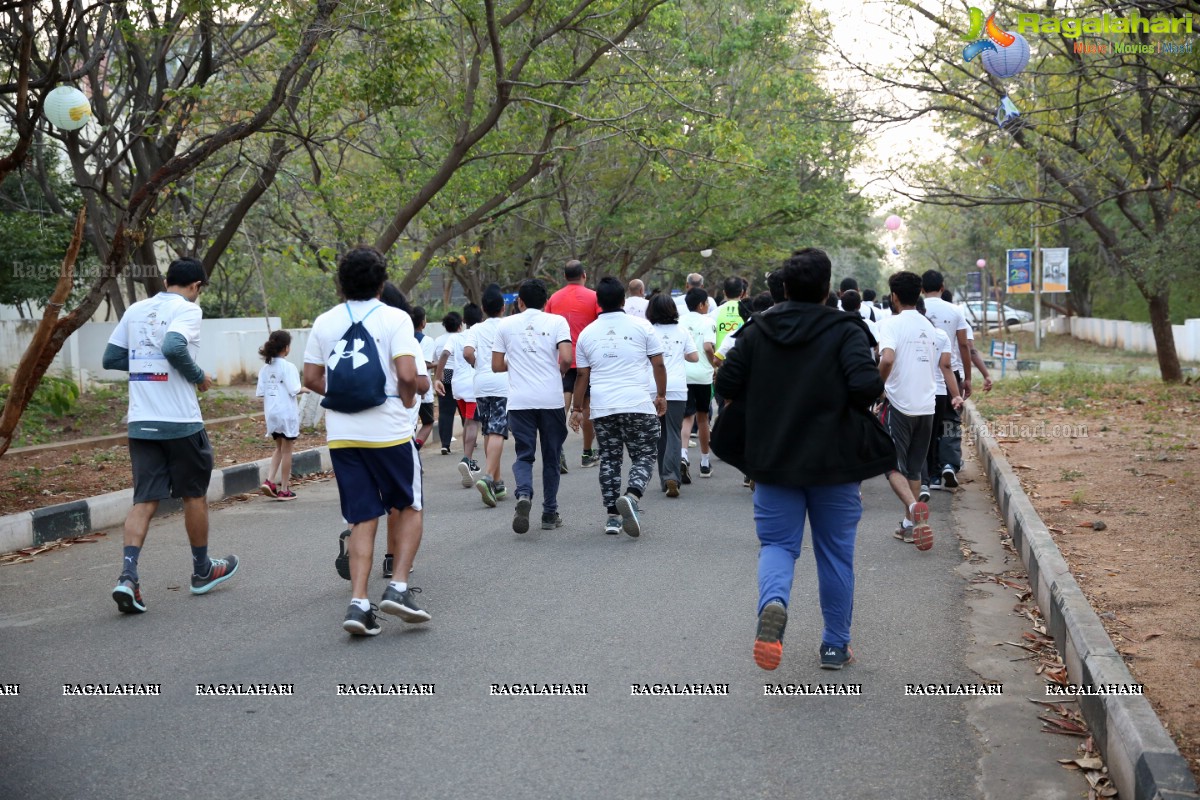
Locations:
(610, 356)
(375, 461)
(491, 396)
(534, 349)
(636, 302)
(425, 407)
(950, 319)
(694, 281)
(699, 375)
(907, 355)
(156, 342)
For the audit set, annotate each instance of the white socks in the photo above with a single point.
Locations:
(399, 586)
(363, 603)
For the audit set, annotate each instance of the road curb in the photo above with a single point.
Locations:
(31, 528)
(1142, 759)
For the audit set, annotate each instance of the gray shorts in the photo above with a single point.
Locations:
(911, 437)
(492, 413)
(165, 468)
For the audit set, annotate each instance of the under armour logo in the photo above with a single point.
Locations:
(339, 352)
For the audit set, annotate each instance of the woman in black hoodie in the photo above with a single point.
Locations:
(805, 378)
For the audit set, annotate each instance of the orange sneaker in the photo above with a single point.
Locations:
(768, 642)
(922, 533)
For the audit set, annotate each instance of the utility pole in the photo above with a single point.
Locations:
(1037, 262)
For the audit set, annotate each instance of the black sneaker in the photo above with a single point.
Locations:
(487, 490)
(219, 571)
(590, 458)
(388, 564)
(923, 496)
(403, 604)
(613, 526)
(949, 479)
(342, 562)
(128, 595)
(705, 470)
(747, 483)
(551, 521)
(685, 472)
(768, 639)
(562, 462)
(835, 657)
(445, 451)
(466, 471)
(361, 623)
(521, 517)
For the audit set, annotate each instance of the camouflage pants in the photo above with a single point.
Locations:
(614, 434)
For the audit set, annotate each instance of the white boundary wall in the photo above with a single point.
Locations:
(1135, 336)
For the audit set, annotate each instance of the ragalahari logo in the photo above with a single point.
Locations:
(1002, 53)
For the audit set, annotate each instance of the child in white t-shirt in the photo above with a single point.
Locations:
(278, 386)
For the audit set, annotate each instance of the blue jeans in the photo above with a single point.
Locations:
(833, 513)
(526, 426)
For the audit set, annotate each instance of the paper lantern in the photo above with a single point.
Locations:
(892, 223)
(67, 108)
(1006, 62)
(981, 263)
(706, 252)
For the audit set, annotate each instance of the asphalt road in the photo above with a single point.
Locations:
(566, 606)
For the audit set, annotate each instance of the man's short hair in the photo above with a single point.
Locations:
(851, 301)
(472, 314)
(948, 295)
(361, 273)
(418, 316)
(695, 280)
(392, 296)
(775, 285)
(610, 294)
(573, 270)
(733, 287)
(662, 310)
(907, 287)
(848, 284)
(532, 293)
(185, 272)
(761, 302)
(493, 300)
(869, 295)
(695, 298)
(452, 321)
(931, 281)
(806, 275)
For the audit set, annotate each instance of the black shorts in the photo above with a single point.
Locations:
(425, 413)
(911, 436)
(699, 399)
(278, 435)
(569, 382)
(164, 468)
(492, 413)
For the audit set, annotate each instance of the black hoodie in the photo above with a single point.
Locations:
(805, 376)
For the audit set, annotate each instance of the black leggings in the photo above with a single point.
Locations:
(447, 408)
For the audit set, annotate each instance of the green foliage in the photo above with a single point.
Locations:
(54, 397)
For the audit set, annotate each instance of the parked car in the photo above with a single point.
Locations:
(973, 311)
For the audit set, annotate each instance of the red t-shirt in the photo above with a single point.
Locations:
(577, 304)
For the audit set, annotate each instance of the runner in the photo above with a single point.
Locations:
(443, 375)
(156, 342)
(678, 350)
(491, 396)
(577, 304)
(950, 319)
(699, 376)
(534, 348)
(464, 394)
(611, 359)
(360, 356)
(636, 302)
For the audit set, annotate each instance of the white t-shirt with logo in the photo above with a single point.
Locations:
(703, 330)
(529, 342)
(636, 306)
(950, 319)
(910, 386)
(157, 391)
(617, 348)
(463, 382)
(676, 343)
(392, 331)
(278, 385)
(487, 383)
(428, 348)
(442, 345)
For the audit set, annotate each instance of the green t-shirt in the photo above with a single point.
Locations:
(729, 319)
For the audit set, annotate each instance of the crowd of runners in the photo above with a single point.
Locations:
(803, 393)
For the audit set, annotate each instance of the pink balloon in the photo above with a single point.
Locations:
(981, 263)
(892, 223)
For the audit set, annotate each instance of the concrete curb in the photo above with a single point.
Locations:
(1142, 759)
(31, 528)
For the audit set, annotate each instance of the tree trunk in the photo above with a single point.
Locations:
(1164, 338)
(39, 354)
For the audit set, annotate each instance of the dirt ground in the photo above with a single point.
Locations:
(29, 481)
(1112, 467)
